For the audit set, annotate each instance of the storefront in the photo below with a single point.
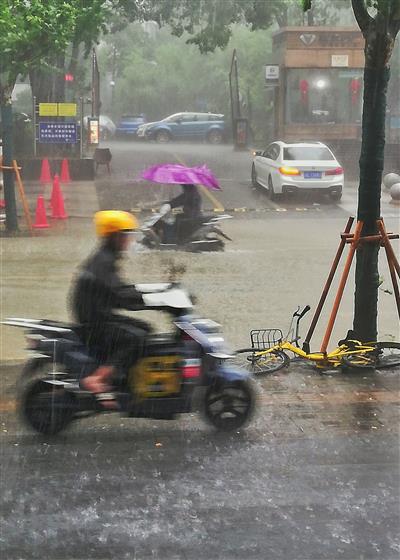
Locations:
(319, 96)
(319, 93)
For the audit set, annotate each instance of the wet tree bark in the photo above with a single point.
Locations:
(369, 201)
(379, 33)
(48, 84)
(8, 175)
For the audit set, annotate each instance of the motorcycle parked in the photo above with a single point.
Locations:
(206, 235)
(178, 372)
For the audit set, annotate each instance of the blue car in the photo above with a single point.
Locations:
(128, 125)
(182, 126)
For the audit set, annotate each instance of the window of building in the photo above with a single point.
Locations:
(324, 96)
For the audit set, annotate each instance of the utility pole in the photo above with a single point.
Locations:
(113, 70)
(8, 174)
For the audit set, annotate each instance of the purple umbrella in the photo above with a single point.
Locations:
(177, 174)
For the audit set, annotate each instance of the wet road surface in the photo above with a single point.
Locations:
(233, 169)
(316, 474)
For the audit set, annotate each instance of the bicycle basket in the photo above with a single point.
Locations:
(261, 339)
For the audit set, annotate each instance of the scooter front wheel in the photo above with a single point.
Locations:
(229, 405)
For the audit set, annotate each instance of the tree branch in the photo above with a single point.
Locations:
(361, 14)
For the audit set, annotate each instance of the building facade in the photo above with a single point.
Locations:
(319, 93)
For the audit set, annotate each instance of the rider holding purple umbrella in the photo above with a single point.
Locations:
(189, 199)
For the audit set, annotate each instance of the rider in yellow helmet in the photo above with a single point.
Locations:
(108, 222)
(98, 292)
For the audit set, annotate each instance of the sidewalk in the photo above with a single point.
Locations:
(296, 402)
(80, 197)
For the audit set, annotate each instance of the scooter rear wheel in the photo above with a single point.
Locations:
(46, 408)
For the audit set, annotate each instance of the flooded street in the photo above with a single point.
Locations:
(315, 474)
(241, 156)
(272, 265)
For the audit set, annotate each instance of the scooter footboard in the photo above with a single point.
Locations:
(79, 363)
(231, 373)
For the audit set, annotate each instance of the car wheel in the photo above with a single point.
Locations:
(215, 137)
(254, 176)
(271, 192)
(335, 196)
(162, 137)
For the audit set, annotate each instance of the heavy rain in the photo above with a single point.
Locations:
(199, 227)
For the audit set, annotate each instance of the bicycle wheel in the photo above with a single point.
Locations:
(385, 355)
(358, 360)
(261, 364)
(388, 355)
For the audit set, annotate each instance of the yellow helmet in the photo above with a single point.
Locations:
(112, 221)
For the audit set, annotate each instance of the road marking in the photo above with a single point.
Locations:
(240, 210)
(217, 205)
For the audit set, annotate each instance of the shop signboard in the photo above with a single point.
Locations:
(67, 109)
(340, 60)
(272, 74)
(48, 110)
(57, 133)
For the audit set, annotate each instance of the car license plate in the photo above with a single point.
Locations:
(312, 174)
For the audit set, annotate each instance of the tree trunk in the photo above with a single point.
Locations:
(48, 83)
(376, 80)
(59, 86)
(8, 175)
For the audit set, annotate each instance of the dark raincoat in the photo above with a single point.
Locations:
(97, 294)
(191, 218)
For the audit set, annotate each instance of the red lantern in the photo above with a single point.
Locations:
(304, 91)
(355, 87)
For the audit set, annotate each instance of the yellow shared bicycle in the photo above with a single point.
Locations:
(270, 351)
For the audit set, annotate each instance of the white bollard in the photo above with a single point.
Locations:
(395, 192)
(390, 179)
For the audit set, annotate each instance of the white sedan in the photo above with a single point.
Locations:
(285, 169)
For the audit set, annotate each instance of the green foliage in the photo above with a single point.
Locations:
(389, 8)
(33, 34)
(159, 74)
(153, 77)
(29, 30)
(209, 22)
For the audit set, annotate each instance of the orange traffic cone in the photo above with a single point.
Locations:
(54, 191)
(57, 201)
(64, 176)
(41, 219)
(45, 175)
